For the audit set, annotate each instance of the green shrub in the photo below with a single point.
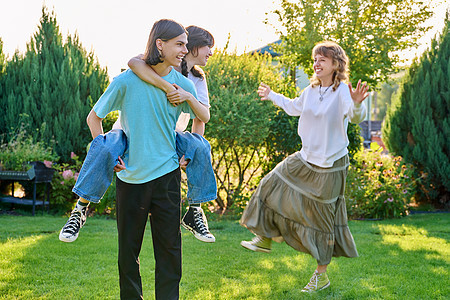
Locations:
(107, 206)
(379, 185)
(63, 181)
(22, 149)
(240, 127)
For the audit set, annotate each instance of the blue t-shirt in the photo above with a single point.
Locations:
(148, 120)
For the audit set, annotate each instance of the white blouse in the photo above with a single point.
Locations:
(202, 96)
(322, 125)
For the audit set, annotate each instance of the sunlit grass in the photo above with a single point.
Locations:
(399, 259)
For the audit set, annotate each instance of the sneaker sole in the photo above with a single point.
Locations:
(71, 239)
(249, 246)
(322, 288)
(198, 236)
(325, 286)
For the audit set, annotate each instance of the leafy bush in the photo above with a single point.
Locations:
(240, 127)
(379, 185)
(63, 181)
(22, 149)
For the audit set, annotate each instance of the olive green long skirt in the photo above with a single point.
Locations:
(304, 205)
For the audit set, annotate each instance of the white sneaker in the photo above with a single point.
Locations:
(195, 221)
(69, 232)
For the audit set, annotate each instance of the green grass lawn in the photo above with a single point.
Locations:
(399, 259)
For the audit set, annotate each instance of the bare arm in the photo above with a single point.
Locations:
(198, 126)
(95, 124)
(146, 73)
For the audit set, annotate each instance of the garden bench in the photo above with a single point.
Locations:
(39, 173)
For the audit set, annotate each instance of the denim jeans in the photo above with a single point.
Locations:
(97, 171)
(201, 181)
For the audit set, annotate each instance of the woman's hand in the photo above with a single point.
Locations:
(360, 93)
(178, 96)
(263, 91)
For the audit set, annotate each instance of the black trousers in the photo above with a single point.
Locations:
(162, 197)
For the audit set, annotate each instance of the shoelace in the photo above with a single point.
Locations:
(198, 219)
(312, 283)
(257, 239)
(74, 222)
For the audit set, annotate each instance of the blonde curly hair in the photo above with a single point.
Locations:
(340, 62)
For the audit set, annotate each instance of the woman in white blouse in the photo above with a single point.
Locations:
(302, 200)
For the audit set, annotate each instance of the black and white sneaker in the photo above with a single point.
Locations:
(195, 221)
(69, 232)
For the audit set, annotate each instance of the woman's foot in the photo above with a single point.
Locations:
(259, 244)
(318, 281)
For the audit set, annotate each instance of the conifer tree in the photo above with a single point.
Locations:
(417, 125)
(51, 88)
(2, 69)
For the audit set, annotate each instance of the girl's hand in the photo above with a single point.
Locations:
(178, 96)
(183, 163)
(120, 166)
(360, 93)
(263, 91)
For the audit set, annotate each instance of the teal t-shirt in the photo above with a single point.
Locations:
(148, 120)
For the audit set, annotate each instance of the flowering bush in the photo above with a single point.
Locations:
(379, 185)
(22, 149)
(63, 181)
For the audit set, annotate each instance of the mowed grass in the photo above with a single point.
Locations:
(399, 259)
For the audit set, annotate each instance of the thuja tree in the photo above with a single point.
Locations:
(51, 88)
(417, 125)
(2, 58)
(246, 134)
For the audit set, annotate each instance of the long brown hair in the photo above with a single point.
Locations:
(165, 30)
(197, 38)
(340, 62)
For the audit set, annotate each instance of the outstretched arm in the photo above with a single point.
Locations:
(263, 91)
(360, 93)
(146, 73)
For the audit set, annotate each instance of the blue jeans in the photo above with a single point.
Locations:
(97, 171)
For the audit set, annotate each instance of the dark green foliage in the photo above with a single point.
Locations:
(371, 32)
(55, 84)
(2, 59)
(417, 125)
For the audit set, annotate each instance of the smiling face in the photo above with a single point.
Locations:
(203, 53)
(199, 56)
(173, 50)
(323, 68)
